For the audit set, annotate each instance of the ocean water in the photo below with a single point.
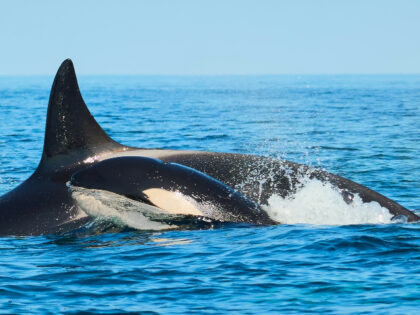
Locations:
(365, 128)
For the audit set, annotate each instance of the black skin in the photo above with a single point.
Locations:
(73, 140)
(131, 175)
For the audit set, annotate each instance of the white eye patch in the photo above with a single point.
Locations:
(172, 202)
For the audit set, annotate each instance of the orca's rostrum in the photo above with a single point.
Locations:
(73, 141)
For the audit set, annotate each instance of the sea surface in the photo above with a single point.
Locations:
(366, 128)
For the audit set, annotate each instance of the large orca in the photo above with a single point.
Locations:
(73, 140)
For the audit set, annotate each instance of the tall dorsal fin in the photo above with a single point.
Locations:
(70, 127)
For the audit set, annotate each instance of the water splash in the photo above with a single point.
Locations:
(321, 203)
(119, 209)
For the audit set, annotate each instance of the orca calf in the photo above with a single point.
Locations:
(73, 140)
(173, 188)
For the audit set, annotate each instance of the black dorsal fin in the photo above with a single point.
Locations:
(71, 129)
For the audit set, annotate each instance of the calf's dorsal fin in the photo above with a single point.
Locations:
(71, 132)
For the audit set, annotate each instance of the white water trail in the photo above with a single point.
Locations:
(110, 206)
(320, 203)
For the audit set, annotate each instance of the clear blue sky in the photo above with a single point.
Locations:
(210, 37)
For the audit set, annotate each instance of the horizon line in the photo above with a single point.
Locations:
(217, 74)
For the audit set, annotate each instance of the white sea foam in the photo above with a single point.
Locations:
(321, 203)
(107, 205)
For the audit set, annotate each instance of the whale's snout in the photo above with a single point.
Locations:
(75, 180)
(86, 178)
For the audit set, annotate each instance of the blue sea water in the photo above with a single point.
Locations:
(365, 128)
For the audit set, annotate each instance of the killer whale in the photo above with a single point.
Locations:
(74, 140)
(173, 188)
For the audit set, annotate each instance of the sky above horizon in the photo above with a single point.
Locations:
(210, 37)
